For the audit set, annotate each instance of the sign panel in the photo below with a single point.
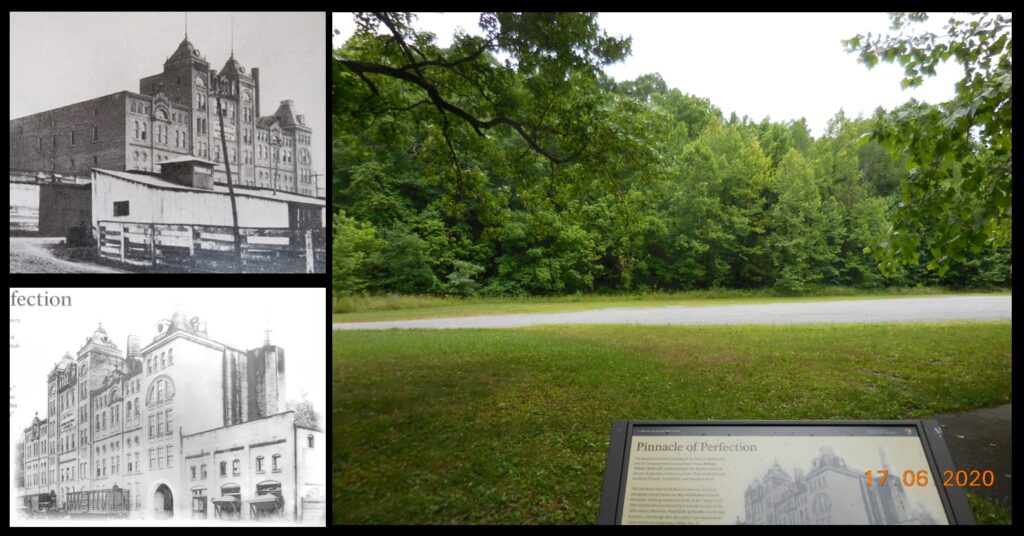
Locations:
(749, 473)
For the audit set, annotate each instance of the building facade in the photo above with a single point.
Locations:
(829, 494)
(174, 114)
(156, 420)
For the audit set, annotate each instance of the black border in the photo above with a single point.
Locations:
(954, 501)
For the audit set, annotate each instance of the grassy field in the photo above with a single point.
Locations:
(511, 426)
(401, 307)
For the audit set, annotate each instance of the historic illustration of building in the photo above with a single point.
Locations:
(830, 493)
(182, 427)
(173, 114)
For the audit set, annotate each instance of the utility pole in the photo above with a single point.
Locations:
(275, 154)
(223, 86)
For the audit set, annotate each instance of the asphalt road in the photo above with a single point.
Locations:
(931, 309)
(982, 440)
(29, 255)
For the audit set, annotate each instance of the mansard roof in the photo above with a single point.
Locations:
(186, 50)
(232, 68)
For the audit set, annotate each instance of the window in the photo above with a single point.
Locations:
(95, 161)
(259, 464)
(236, 467)
(169, 429)
(163, 360)
(160, 423)
(277, 463)
(136, 129)
(223, 468)
(121, 208)
(160, 457)
(95, 134)
(150, 426)
(170, 457)
(72, 137)
(170, 356)
(54, 141)
(310, 439)
(143, 131)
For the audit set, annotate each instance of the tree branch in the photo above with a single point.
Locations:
(443, 104)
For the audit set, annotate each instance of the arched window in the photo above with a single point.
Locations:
(170, 356)
(162, 389)
(136, 129)
(310, 439)
(223, 468)
(143, 130)
(236, 467)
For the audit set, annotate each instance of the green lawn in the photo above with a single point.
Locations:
(400, 307)
(511, 426)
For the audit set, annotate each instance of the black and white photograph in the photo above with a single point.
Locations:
(167, 407)
(120, 161)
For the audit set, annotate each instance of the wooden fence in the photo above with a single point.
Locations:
(208, 248)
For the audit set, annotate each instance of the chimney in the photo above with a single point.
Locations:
(133, 347)
(256, 82)
(301, 119)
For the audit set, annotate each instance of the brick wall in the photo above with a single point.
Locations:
(43, 141)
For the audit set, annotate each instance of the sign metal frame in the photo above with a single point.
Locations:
(954, 501)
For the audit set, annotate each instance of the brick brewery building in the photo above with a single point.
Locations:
(173, 115)
(185, 427)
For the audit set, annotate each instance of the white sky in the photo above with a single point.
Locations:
(783, 66)
(233, 316)
(59, 59)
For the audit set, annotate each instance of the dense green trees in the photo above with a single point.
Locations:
(660, 192)
(957, 197)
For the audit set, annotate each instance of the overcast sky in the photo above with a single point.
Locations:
(237, 317)
(59, 59)
(782, 66)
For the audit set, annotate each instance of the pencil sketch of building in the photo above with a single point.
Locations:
(189, 126)
(180, 427)
(830, 493)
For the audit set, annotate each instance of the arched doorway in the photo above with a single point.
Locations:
(163, 503)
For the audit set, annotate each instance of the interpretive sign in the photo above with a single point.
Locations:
(780, 472)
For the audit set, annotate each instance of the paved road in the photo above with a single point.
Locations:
(30, 255)
(983, 440)
(929, 309)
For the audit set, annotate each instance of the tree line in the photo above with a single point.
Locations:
(595, 185)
